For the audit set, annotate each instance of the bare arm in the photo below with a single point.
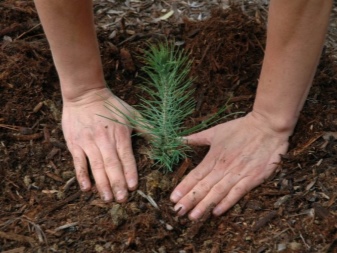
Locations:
(245, 152)
(296, 33)
(70, 30)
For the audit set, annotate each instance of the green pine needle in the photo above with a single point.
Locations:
(170, 103)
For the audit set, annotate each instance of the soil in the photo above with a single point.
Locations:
(41, 206)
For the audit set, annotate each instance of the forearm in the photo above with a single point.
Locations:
(295, 36)
(70, 31)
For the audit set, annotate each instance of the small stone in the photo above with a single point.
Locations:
(118, 214)
(237, 209)
(156, 182)
(208, 243)
(60, 195)
(98, 248)
(168, 227)
(107, 245)
(282, 200)
(27, 180)
(295, 246)
(281, 247)
(162, 249)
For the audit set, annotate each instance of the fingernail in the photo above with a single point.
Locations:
(195, 214)
(84, 186)
(106, 196)
(179, 209)
(132, 184)
(217, 211)
(175, 196)
(120, 195)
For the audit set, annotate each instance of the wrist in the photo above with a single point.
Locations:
(84, 93)
(276, 124)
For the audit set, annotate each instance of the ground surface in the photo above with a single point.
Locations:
(41, 207)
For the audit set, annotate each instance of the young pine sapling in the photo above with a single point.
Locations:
(168, 103)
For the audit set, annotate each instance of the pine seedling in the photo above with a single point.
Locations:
(168, 103)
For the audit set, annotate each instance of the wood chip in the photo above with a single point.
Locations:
(181, 171)
(196, 226)
(127, 61)
(17, 250)
(264, 220)
(306, 145)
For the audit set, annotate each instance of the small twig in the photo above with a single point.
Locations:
(65, 226)
(26, 137)
(15, 128)
(58, 205)
(299, 150)
(306, 245)
(18, 238)
(31, 29)
(196, 226)
(280, 233)
(69, 183)
(149, 198)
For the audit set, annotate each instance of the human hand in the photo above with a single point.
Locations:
(243, 154)
(106, 144)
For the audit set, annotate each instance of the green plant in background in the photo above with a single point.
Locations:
(168, 103)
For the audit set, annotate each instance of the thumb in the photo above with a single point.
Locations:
(202, 138)
(144, 129)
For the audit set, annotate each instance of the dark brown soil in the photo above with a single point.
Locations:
(41, 207)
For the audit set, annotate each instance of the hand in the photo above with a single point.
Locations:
(105, 143)
(243, 154)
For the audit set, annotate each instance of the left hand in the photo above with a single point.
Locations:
(243, 154)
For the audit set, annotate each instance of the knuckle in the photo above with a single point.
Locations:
(126, 155)
(122, 132)
(219, 189)
(240, 190)
(197, 175)
(111, 161)
(204, 186)
(96, 164)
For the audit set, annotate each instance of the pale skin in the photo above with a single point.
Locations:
(243, 152)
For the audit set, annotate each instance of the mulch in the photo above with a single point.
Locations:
(41, 207)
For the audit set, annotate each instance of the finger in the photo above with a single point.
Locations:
(194, 177)
(114, 171)
(125, 153)
(112, 166)
(218, 192)
(235, 194)
(200, 139)
(209, 190)
(81, 168)
(197, 195)
(98, 170)
(142, 128)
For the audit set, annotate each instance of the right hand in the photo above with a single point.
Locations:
(104, 143)
(243, 154)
